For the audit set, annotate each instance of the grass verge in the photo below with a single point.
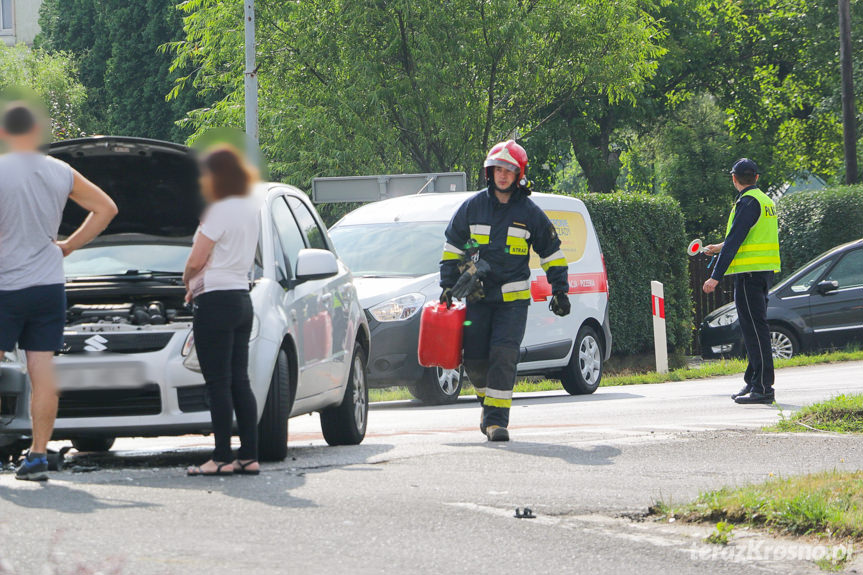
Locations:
(712, 369)
(841, 414)
(827, 504)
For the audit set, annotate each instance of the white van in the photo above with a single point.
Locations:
(393, 248)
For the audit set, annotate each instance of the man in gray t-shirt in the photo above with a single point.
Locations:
(33, 192)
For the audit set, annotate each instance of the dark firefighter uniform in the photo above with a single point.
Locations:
(495, 324)
(751, 254)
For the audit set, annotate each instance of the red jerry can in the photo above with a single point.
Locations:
(441, 335)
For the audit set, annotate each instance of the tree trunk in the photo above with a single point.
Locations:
(600, 164)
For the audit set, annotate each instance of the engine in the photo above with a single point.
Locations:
(121, 316)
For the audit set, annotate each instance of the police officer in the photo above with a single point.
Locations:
(486, 260)
(750, 252)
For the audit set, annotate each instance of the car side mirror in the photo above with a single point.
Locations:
(827, 286)
(315, 264)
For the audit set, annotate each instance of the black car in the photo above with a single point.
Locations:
(818, 306)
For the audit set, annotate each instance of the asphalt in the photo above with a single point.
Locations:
(425, 493)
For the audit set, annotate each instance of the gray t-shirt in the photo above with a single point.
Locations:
(33, 192)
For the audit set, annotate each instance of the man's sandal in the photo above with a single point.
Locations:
(243, 468)
(196, 470)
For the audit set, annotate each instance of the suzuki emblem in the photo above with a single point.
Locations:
(95, 343)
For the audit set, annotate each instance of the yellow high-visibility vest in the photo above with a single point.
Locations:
(759, 252)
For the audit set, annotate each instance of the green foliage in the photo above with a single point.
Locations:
(841, 414)
(116, 44)
(643, 239)
(52, 77)
(827, 504)
(408, 85)
(721, 535)
(811, 223)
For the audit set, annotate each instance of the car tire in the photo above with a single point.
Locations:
(345, 424)
(94, 444)
(584, 372)
(783, 342)
(273, 427)
(439, 386)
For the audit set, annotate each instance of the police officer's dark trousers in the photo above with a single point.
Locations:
(492, 345)
(750, 297)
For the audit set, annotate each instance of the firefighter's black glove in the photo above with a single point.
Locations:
(559, 304)
(446, 297)
(470, 282)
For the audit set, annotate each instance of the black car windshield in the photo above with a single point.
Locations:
(391, 249)
(121, 259)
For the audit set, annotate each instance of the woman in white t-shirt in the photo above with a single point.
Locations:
(217, 282)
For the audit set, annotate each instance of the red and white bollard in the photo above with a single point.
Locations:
(657, 301)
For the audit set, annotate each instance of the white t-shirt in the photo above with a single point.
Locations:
(233, 224)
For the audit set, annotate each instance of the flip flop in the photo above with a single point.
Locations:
(196, 470)
(243, 471)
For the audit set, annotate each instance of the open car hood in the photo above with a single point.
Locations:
(154, 184)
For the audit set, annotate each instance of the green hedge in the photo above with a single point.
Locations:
(811, 223)
(643, 239)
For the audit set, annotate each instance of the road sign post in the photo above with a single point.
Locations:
(657, 301)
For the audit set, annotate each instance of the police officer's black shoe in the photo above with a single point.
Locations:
(745, 390)
(755, 397)
(497, 433)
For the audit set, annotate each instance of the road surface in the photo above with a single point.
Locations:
(425, 493)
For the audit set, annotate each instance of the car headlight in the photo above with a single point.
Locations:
(726, 318)
(190, 354)
(399, 308)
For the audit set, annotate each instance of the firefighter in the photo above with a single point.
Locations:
(750, 252)
(486, 261)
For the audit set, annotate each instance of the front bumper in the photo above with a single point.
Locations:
(393, 360)
(722, 341)
(162, 398)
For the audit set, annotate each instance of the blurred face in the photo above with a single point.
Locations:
(503, 178)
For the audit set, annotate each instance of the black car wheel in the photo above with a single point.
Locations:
(346, 423)
(273, 427)
(584, 371)
(783, 342)
(439, 386)
(93, 444)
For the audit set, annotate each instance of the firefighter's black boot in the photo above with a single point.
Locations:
(503, 362)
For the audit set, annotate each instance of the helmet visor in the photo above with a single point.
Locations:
(490, 163)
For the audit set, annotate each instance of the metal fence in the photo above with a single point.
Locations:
(703, 303)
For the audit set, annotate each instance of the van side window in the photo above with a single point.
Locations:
(849, 271)
(289, 236)
(313, 233)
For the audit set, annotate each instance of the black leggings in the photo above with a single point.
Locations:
(223, 324)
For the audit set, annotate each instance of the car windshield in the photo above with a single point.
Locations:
(120, 259)
(392, 249)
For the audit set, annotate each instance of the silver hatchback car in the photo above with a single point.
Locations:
(128, 365)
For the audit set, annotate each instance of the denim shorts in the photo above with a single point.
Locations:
(33, 318)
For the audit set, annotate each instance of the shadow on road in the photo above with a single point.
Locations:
(65, 499)
(468, 402)
(167, 470)
(596, 455)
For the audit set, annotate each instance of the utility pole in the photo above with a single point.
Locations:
(251, 77)
(849, 119)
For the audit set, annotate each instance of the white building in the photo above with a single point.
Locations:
(19, 21)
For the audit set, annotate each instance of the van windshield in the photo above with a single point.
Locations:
(391, 249)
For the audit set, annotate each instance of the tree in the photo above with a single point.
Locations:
(116, 44)
(52, 77)
(409, 85)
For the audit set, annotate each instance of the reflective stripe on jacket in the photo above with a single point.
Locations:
(760, 250)
(505, 234)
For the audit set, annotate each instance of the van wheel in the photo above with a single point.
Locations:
(93, 444)
(439, 386)
(273, 427)
(584, 371)
(346, 423)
